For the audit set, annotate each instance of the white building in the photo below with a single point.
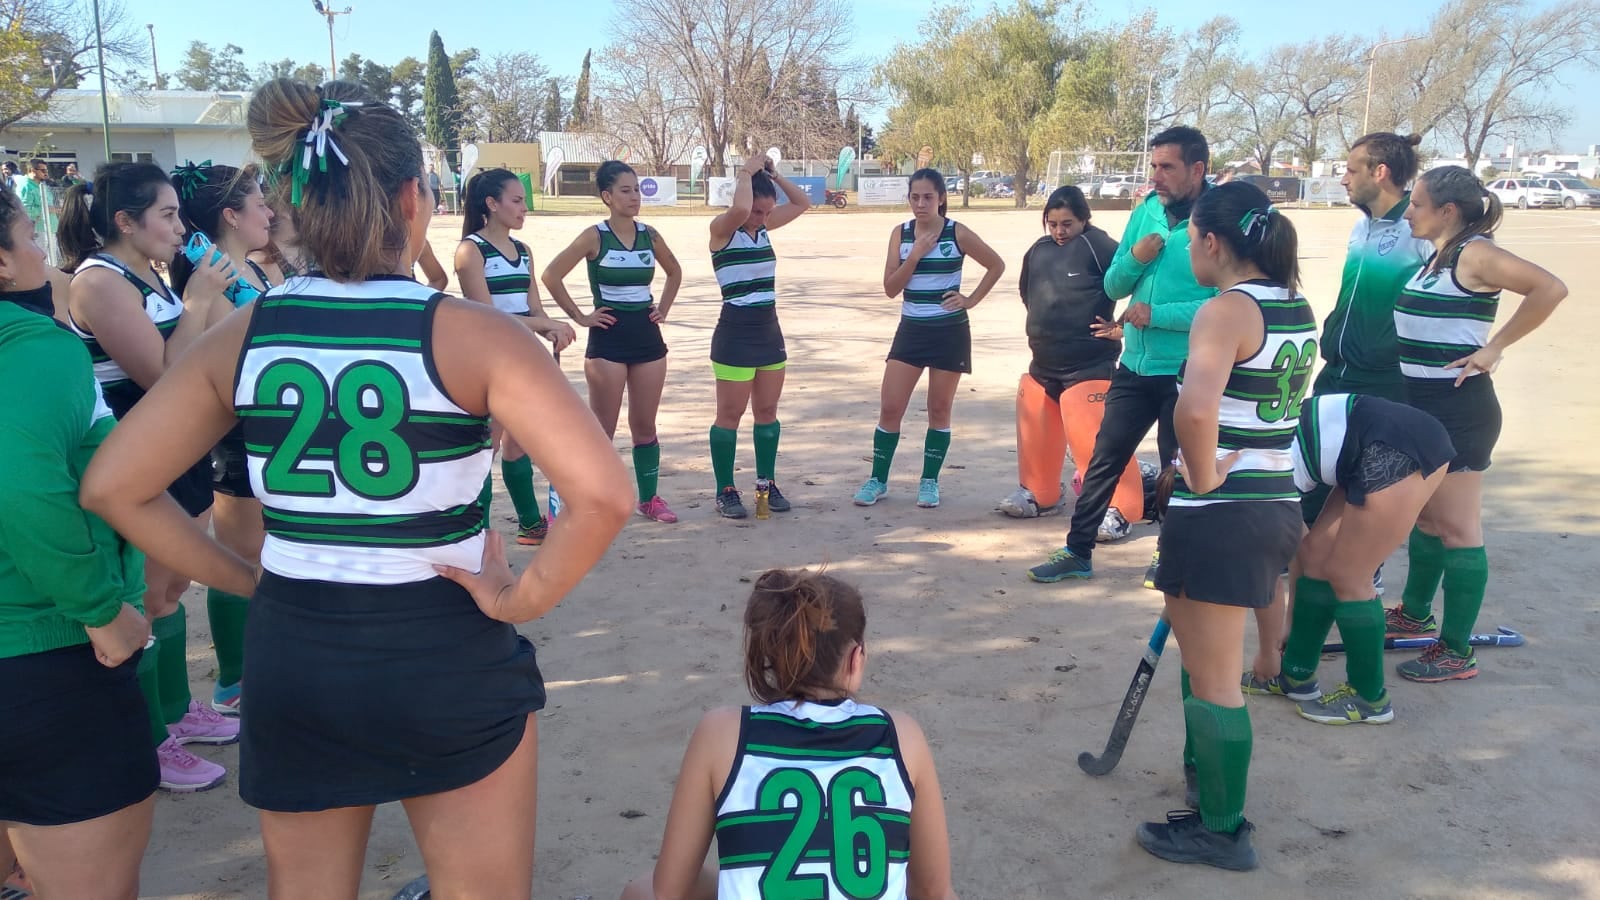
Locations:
(163, 127)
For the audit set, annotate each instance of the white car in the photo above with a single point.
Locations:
(1524, 192)
(1574, 193)
(1119, 186)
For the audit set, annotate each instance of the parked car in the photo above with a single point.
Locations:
(1090, 184)
(1574, 193)
(983, 180)
(1119, 186)
(1524, 192)
(954, 184)
(1143, 191)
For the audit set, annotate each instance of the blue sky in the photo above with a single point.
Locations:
(387, 30)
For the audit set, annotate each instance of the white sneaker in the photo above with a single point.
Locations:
(1023, 505)
(1113, 527)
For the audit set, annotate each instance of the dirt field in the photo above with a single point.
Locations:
(1476, 790)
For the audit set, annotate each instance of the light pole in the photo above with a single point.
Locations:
(155, 65)
(105, 105)
(1144, 148)
(329, 12)
(1372, 59)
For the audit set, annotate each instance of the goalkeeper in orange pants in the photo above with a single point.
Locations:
(1061, 397)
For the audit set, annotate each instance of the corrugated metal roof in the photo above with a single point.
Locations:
(580, 148)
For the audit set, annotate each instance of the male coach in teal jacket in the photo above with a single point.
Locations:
(1151, 266)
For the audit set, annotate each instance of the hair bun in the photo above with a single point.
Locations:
(1414, 139)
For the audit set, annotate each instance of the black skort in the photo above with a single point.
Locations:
(1470, 415)
(1385, 443)
(77, 738)
(946, 346)
(366, 694)
(1228, 553)
(230, 470)
(748, 337)
(632, 339)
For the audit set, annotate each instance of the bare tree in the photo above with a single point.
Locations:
(1512, 63)
(644, 111)
(1316, 79)
(709, 51)
(1210, 56)
(46, 45)
(1261, 112)
(506, 99)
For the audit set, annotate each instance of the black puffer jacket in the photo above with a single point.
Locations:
(1063, 288)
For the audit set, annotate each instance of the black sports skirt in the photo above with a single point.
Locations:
(230, 474)
(1470, 414)
(77, 738)
(365, 694)
(748, 337)
(1227, 553)
(192, 490)
(929, 345)
(631, 339)
(1411, 441)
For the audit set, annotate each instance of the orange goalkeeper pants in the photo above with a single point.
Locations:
(1047, 428)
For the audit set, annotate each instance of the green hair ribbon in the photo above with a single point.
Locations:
(318, 145)
(189, 177)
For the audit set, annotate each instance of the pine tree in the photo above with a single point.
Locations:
(581, 120)
(552, 108)
(441, 105)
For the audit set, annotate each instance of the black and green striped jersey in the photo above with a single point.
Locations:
(747, 269)
(620, 276)
(508, 280)
(1438, 321)
(1261, 402)
(367, 471)
(818, 805)
(935, 275)
(163, 309)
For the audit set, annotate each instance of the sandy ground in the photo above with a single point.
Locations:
(1479, 789)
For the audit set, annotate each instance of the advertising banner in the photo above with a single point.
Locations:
(658, 191)
(884, 191)
(1326, 190)
(1278, 190)
(816, 190)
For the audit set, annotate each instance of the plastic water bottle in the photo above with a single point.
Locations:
(555, 503)
(242, 291)
(763, 509)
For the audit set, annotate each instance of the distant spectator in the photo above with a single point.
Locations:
(433, 184)
(35, 194)
(72, 177)
(13, 178)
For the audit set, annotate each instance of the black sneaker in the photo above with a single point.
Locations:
(775, 498)
(1191, 786)
(1060, 566)
(729, 506)
(1183, 838)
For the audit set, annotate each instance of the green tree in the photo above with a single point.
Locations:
(934, 89)
(554, 116)
(408, 75)
(205, 69)
(311, 73)
(350, 68)
(440, 103)
(581, 119)
(269, 71)
(49, 45)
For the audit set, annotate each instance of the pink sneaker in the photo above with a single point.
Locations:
(203, 725)
(182, 772)
(657, 509)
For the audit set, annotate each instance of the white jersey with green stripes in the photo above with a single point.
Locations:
(508, 280)
(747, 269)
(162, 308)
(367, 471)
(818, 804)
(935, 274)
(620, 276)
(1319, 439)
(1261, 403)
(1437, 321)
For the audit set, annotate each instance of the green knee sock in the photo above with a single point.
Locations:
(1466, 576)
(1426, 554)
(883, 444)
(1222, 743)
(227, 613)
(150, 687)
(767, 448)
(486, 498)
(647, 469)
(1362, 628)
(724, 444)
(1315, 608)
(934, 447)
(518, 476)
(1188, 736)
(172, 663)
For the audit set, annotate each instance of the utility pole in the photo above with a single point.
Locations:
(1372, 59)
(1144, 149)
(105, 107)
(329, 12)
(154, 64)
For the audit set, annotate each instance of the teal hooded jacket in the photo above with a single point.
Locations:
(1166, 283)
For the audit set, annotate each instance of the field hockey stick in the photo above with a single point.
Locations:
(1505, 637)
(1129, 712)
(416, 890)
